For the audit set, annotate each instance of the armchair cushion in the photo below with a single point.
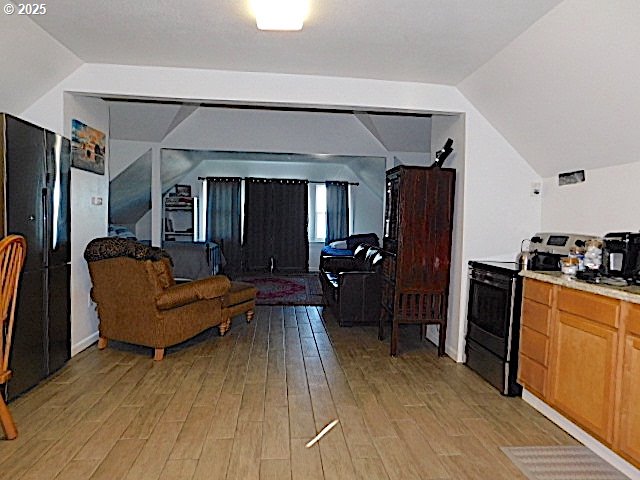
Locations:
(185, 293)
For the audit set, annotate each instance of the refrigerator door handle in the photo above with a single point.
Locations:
(45, 220)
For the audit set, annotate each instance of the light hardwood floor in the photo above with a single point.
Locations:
(244, 405)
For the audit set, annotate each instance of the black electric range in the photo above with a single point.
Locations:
(493, 323)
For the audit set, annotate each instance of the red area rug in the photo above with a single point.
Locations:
(287, 290)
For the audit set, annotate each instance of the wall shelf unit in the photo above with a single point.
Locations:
(180, 219)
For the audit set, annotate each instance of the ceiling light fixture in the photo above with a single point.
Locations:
(280, 14)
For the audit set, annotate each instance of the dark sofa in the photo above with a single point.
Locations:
(351, 286)
(348, 246)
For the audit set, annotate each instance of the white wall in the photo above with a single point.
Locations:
(123, 153)
(32, 63)
(88, 221)
(498, 210)
(605, 202)
(411, 158)
(564, 93)
(442, 128)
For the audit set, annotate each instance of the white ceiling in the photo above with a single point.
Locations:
(555, 78)
(265, 130)
(433, 41)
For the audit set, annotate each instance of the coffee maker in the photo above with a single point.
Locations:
(621, 255)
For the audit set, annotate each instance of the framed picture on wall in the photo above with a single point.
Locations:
(87, 147)
(183, 190)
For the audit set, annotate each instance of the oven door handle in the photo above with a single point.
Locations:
(489, 279)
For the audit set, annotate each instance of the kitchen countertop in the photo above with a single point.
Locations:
(629, 294)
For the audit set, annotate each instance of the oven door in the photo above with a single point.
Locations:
(489, 310)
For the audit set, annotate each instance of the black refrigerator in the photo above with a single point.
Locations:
(35, 203)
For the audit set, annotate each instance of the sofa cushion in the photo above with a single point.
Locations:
(354, 240)
(336, 252)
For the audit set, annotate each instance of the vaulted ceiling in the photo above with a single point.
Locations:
(555, 78)
(432, 41)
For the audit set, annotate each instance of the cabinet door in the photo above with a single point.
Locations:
(629, 432)
(583, 373)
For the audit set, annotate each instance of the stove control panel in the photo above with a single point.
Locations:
(558, 243)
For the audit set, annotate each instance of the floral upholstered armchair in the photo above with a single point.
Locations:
(139, 302)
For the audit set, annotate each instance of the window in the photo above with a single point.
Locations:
(318, 213)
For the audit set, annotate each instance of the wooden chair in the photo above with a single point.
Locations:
(12, 252)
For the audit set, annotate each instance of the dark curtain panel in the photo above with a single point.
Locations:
(276, 221)
(223, 219)
(291, 218)
(337, 210)
(257, 224)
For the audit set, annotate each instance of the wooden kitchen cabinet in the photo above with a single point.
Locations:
(628, 438)
(580, 353)
(534, 337)
(582, 381)
(584, 351)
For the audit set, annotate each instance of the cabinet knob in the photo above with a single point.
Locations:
(31, 218)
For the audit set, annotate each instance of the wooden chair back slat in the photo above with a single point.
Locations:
(13, 249)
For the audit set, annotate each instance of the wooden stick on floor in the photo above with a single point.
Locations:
(322, 433)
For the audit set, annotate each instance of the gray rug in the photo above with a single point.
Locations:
(561, 463)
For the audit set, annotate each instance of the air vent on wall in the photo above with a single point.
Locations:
(571, 177)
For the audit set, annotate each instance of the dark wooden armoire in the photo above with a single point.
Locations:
(417, 236)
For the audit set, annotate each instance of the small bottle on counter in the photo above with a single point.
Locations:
(578, 253)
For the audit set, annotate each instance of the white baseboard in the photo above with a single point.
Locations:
(432, 336)
(77, 347)
(587, 440)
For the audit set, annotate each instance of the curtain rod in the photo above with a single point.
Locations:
(308, 181)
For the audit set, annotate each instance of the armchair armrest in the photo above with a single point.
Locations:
(184, 293)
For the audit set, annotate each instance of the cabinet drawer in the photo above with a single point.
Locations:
(538, 291)
(534, 345)
(536, 316)
(589, 305)
(532, 375)
(633, 319)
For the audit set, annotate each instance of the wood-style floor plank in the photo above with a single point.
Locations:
(243, 406)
